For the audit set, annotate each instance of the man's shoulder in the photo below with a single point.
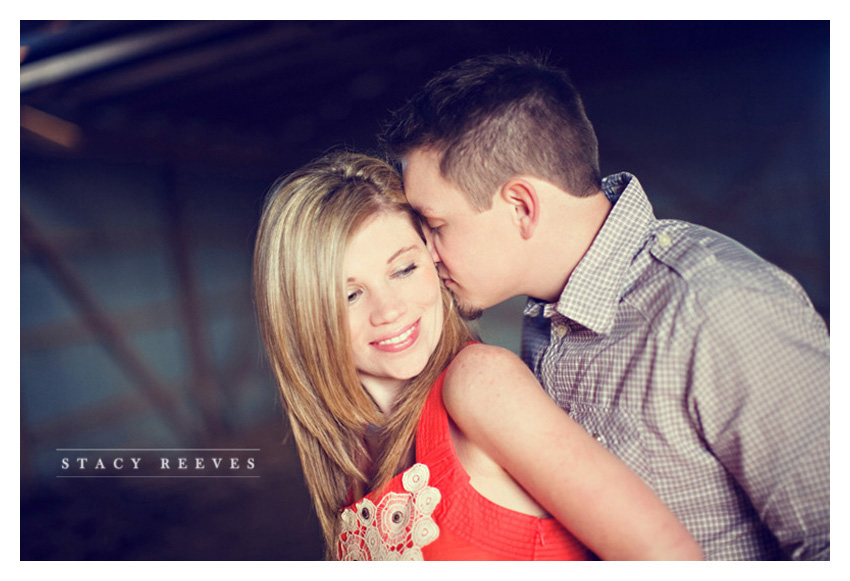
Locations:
(695, 268)
(709, 262)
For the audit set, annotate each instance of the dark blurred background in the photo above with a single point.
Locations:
(147, 148)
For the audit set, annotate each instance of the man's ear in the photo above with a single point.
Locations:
(522, 197)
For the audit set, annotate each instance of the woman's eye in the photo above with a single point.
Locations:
(352, 296)
(406, 271)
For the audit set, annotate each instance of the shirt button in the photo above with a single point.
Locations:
(561, 330)
(664, 240)
(599, 438)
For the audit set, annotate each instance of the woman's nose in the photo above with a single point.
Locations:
(387, 307)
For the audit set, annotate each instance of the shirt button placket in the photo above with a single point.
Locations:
(561, 329)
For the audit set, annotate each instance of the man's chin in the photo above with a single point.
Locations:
(469, 312)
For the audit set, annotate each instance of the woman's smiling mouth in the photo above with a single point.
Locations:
(399, 342)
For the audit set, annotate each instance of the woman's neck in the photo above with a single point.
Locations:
(383, 391)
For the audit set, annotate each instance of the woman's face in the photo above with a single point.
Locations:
(394, 306)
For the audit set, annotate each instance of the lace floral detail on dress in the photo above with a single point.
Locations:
(397, 528)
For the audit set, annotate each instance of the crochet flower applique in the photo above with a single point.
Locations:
(397, 527)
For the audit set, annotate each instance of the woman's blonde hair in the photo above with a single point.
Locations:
(307, 221)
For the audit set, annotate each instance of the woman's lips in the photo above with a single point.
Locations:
(400, 341)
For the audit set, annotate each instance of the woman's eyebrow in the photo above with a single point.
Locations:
(395, 255)
(400, 252)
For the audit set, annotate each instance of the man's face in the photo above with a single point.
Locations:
(472, 249)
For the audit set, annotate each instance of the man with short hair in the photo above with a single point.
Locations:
(702, 366)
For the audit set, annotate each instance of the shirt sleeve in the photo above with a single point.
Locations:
(760, 395)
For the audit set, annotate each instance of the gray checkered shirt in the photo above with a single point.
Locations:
(705, 369)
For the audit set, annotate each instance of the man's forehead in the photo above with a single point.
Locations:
(424, 163)
(427, 190)
(419, 195)
(417, 203)
(425, 200)
(423, 209)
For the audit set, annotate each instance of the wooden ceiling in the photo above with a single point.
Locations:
(251, 93)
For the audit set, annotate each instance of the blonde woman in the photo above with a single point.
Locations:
(382, 382)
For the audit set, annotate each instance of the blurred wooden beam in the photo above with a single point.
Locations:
(173, 70)
(69, 332)
(50, 127)
(71, 241)
(103, 413)
(27, 444)
(159, 315)
(111, 52)
(112, 337)
(202, 379)
(245, 359)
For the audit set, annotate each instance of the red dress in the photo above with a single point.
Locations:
(431, 512)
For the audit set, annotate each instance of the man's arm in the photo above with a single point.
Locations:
(500, 409)
(760, 395)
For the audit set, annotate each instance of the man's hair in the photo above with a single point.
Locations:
(495, 117)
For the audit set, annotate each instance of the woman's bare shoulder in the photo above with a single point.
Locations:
(479, 361)
(483, 371)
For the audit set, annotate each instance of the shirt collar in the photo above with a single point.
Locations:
(593, 290)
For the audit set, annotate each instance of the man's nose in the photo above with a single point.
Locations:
(431, 246)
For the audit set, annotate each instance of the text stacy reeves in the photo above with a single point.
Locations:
(156, 464)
